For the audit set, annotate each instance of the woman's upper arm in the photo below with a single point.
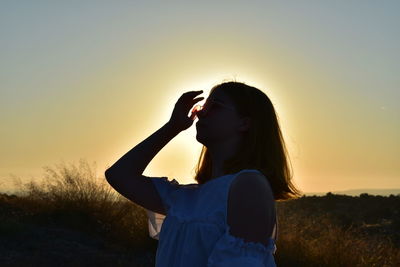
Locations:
(139, 189)
(251, 207)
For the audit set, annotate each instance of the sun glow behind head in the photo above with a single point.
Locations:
(186, 141)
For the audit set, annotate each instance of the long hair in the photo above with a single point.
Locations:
(262, 147)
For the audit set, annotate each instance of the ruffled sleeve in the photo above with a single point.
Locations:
(231, 251)
(164, 188)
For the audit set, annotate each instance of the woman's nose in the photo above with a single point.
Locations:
(198, 110)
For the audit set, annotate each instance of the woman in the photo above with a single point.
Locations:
(228, 218)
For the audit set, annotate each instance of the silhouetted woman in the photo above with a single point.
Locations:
(228, 218)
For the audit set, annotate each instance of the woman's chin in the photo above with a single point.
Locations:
(201, 138)
(207, 142)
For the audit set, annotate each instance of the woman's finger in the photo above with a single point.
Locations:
(193, 93)
(197, 99)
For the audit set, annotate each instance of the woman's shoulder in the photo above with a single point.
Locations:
(253, 174)
(251, 178)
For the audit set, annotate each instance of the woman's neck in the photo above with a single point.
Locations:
(219, 154)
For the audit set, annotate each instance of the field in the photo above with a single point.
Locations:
(77, 219)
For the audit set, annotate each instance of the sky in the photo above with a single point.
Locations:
(92, 79)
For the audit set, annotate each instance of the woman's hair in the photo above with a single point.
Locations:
(262, 147)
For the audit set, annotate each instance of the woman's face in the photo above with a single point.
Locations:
(218, 121)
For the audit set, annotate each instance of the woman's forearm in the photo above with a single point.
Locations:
(136, 160)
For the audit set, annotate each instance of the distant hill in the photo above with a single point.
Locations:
(357, 192)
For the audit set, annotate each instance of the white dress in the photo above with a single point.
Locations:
(195, 231)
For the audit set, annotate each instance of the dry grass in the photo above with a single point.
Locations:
(75, 197)
(318, 241)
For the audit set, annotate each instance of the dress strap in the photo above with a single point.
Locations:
(275, 231)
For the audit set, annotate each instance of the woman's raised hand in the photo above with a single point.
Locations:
(179, 118)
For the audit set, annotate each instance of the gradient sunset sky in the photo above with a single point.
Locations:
(92, 79)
